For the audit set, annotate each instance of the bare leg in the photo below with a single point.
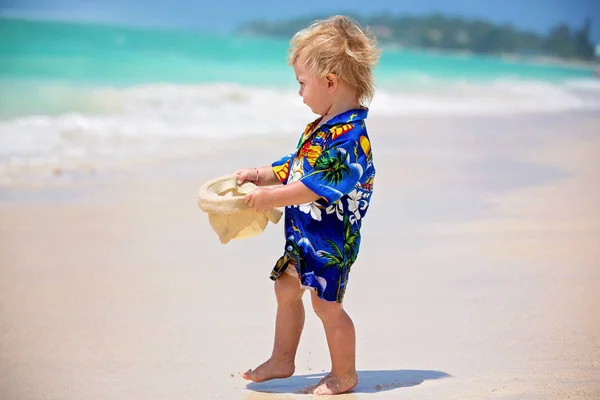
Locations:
(288, 328)
(341, 339)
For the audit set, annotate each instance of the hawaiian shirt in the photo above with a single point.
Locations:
(323, 237)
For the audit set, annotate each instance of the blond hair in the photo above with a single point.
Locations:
(338, 46)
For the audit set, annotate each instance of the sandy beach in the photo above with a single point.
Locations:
(478, 276)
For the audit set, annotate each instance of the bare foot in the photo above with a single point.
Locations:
(333, 384)
(270, 369)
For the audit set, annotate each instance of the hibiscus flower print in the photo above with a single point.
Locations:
(337, 208)
(312, 209)
(297, 170)
(356, 204)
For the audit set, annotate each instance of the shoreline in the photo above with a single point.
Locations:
(71, 173)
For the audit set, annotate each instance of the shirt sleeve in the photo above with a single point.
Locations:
(339, 168)
(281, 168)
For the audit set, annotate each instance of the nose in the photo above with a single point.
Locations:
(300, 92)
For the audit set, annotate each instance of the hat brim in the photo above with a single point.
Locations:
(223, 195)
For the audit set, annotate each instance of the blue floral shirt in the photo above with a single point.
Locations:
(323, 237)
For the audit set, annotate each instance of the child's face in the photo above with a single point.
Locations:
(316, 92)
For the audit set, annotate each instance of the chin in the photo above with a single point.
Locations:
(314, 111)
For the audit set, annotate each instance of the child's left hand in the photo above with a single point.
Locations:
(260, 199)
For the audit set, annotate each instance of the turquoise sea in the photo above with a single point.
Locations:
(74, 91)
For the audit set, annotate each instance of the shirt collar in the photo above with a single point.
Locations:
(349, 116)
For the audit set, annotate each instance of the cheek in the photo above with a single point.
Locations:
(312, 93)
(318, 96)
(306, 94)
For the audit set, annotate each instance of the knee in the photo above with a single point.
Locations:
(286, 290)
(325, 309)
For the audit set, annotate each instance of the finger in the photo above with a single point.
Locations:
(241, 178)
(247, 198)
(261, 207)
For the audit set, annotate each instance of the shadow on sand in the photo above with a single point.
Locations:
(368, 381)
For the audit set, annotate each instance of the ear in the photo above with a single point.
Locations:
(332, 82)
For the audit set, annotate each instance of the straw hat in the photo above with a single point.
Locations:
(223, 199)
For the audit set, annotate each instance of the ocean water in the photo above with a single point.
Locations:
(75, 94)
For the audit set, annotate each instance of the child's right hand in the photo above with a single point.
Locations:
(247, 175)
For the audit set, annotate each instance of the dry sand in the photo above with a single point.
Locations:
(478, 278)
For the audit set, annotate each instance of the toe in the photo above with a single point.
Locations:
(246, 375)
(322, 390)
(309, 389)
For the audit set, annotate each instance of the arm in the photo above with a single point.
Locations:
(266, 198)
(294, 193)
(266, 176)
(263, 176)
